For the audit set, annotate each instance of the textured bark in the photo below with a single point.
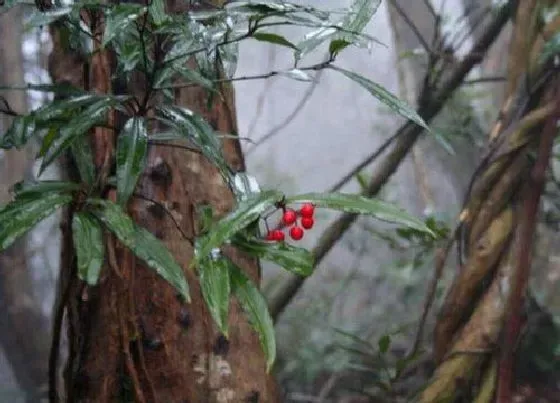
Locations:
(132, 332)
(26, 332)
(483, 304)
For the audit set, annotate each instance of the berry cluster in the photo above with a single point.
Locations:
(289, 219)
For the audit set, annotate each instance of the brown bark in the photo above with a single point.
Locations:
(480, 318)
(132, 331)
(25, 335)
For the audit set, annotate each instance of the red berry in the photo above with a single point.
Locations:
(307, 210)
(270, 236)
(307, 222)
(289, 217)
(296, 233)
(278, 235)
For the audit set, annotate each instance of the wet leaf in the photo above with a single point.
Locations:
(91, 116)
(216, 290)
(83, 157)
(132, 150)
(156, 9)
(195, 129)
(352, 203)
(379, 92)
(24, 190)
(273, 38)
(18, 217)
(88, 244)
(296, 260)
(254, 305)
(384, 343)
(353, 23)
(20, 131)
(119, 18)
(246, 212)
(43, 18)
(142, 243)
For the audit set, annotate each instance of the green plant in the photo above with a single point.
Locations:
(136, 33)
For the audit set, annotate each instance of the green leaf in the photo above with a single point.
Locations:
(254, 305)
(384, 343)
(142, 243)
(205, 216)
(24, 190)
(296, 260)
(357, 204)
(216, 290)
(43, 18)
(18, 217)
(356, 20)
(551, 48)
(88, 244)
(92, 116)
(83, 157)
(21, 130)
(379, 92)
(351, 27)
(273, 38)
(119, 18)
(195, 129)
(156, 9)
(338, 45)
(132, 149)
(246, 212)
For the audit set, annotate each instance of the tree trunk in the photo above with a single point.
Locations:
(26, 334)
(131, 336)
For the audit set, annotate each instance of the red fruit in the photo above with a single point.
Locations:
(270, 236)
(278, 235)
(289, 217)
(307, 222)
(307, 210)
(296, 233)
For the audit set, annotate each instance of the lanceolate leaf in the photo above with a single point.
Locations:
(379, 92)
(21, 130)
(297, 260)
(83, 157)
(20, 216)
(88, 244)
(119, 18)
(142, 243)
(195, 129)
(216, 289)
(246, 212)
(90, 117)
(352, 203)
(254, 305)
(24, 190)
(273, 38)
(352, 25)
(132, 149)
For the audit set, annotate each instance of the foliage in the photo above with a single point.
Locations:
(209, 37)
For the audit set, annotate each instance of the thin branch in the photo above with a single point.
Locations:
(367, 161)
(298, 108)
(263, 76)
(429, 108)
(431, 9)
(412, 26)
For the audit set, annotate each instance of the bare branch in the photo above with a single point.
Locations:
(412, 26)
